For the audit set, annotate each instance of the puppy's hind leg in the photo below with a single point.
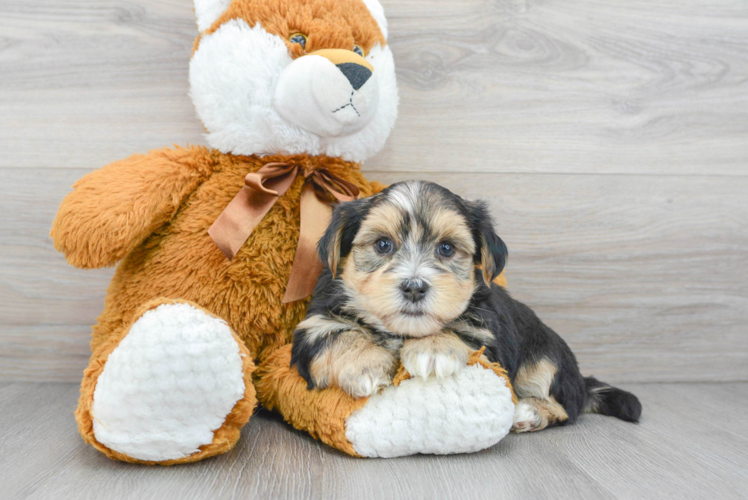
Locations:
(533, 414)
(537, 408)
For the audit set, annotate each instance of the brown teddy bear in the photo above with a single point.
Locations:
(293, 96)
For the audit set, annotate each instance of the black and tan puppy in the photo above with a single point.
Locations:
(400, 283)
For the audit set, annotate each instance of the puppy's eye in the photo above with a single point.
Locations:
(445, 249)
(298, 38)
(383, 246)
(358, 50)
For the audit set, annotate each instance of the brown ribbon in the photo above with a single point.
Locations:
(261, 190)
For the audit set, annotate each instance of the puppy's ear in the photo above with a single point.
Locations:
(337, 241)
(490, 251)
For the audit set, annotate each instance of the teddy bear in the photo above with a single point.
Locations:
(215, 250)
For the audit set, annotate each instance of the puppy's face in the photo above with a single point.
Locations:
(407, 256)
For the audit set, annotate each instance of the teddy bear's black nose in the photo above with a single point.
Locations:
(356, 74)
(414, 290)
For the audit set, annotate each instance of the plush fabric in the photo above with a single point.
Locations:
(153, 212)
(171, 255)
(238, 63)
(224, 438)
(320, 413)
(207, 11)
(468, 412)
(313, 84)
(171, 378)
(176, 360)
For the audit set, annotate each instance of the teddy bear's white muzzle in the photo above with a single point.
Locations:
(325, 98)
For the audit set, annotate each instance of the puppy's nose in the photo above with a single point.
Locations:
(414, 290)
(356, 74)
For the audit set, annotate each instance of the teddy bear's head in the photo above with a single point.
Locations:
(294, 76)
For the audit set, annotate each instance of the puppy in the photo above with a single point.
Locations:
(408, 275)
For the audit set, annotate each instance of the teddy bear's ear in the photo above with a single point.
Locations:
(207, 11)
(377, 12)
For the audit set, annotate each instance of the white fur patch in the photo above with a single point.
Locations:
(315, 95)
(207, 11)
(437, 364)
(525, 413)
(406, 195)
(233, 79)
(467, 412)
(526, 417)
(370, 140)
(168, 385)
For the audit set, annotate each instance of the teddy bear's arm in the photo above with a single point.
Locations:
(113, 209)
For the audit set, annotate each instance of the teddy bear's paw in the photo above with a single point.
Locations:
(469, 411)
(168, 385)
(527, 418)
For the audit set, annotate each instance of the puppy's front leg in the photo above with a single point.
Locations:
(355, 364)
(331, 352)
(442, 355)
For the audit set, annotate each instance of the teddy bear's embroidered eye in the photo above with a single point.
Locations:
(358, 50)
(298, 38)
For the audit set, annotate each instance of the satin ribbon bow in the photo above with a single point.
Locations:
(261, 190)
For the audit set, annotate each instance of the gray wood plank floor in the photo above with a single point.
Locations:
(692, 442)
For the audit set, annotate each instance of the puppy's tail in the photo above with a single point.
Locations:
(608, 400)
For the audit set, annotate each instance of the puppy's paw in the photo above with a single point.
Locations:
(361, 382)
(527, 418)
(355, 364)
(439, 364)
(439, 355)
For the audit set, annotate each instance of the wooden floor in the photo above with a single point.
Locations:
(692, 442)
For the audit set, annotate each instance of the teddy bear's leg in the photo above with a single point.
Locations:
(173, 386)
(467, 412)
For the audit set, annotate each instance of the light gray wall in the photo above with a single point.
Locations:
(610, 138)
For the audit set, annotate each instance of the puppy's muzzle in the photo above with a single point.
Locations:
(414, 290)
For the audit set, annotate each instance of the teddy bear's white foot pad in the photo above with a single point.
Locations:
(467, 412)
(168, 385)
